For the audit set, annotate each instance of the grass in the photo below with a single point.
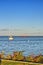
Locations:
(10, 62)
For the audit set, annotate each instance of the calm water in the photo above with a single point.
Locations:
(30, 45)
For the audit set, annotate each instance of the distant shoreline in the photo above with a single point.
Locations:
(21, 36)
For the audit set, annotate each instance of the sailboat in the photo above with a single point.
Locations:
(11, 38)
(11, 35)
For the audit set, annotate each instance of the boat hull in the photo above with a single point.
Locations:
(10, 38)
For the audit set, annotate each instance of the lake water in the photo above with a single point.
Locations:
(29, 44)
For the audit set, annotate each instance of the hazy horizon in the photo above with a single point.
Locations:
(19, 32)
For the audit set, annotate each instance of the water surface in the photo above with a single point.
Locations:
(29, 44)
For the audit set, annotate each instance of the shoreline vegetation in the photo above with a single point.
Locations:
(19, 59)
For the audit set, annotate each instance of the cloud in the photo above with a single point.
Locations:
(4, 29)
(21, 32)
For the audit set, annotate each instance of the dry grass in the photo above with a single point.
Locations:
(10, 62)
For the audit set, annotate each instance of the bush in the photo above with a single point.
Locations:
(29, 58)
(38, 59)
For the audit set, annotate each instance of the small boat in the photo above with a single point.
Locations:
(11, 38)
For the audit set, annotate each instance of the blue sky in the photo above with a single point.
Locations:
(24, 16)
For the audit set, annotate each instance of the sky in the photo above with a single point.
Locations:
(21, 17)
